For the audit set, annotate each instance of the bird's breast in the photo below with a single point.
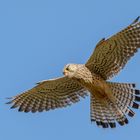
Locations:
(92, 82)
(97, 86)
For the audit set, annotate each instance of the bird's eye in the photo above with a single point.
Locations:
(67, 68)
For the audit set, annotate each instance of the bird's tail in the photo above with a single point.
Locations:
(125, 98)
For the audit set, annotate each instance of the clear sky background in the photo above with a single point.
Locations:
(37, 38)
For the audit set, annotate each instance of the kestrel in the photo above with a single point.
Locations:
(110, 102)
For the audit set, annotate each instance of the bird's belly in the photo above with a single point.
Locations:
(99, 89)
(96, 86)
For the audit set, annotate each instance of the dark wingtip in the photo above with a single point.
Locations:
(98, 123)
(27, 110)
(136, 20)
(112, 125)
(137, 92)
(137, 98)
(135, 105)
(14, 106)
(9, 98)
(123, 122)
(92, 120)
(10, 102)
(126, 121)
(104, 125)
(134, 85)
(34, 110)
(131, 113)
(20, 109)
(40, 110)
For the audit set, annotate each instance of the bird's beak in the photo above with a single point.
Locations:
(65, 73)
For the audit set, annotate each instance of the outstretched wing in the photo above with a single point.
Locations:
(111, 55)
(49, 94)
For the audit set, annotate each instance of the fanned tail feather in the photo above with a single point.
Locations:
(106, 115)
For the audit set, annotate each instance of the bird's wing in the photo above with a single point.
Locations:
(49, 94)
(111, 55)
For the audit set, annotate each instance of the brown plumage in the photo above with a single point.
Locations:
(110, 102)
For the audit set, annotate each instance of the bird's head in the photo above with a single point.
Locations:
(70, 69)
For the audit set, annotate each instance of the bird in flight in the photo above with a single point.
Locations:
(110, 102)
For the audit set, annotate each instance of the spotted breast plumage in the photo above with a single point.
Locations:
(110, 102)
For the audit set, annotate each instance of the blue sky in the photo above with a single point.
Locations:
(37, 38)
